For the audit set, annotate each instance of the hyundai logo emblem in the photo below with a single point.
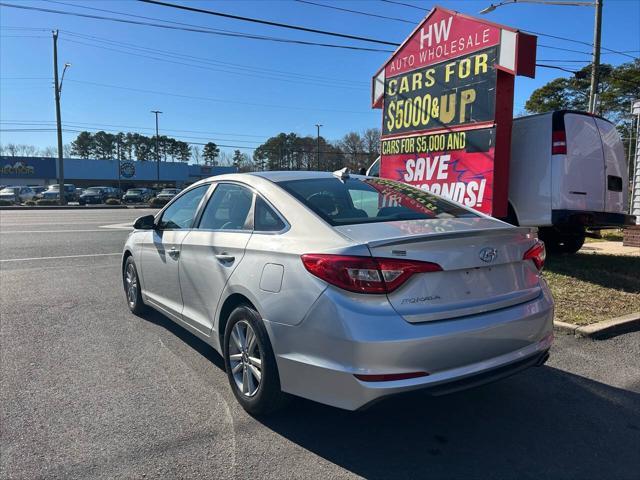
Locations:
(488, 254)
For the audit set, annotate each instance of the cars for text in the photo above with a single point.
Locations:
(341, 289)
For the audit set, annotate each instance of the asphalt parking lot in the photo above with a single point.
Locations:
(88, 390)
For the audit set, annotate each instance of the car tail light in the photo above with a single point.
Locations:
(537, 253)
(559, 143)
(365, 274)
(387, 377)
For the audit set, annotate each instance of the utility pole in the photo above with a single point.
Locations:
(318, 125)
(595, 65)
(57, 88)
(157, 112)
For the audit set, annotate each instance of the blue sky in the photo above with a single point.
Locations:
(231, 90)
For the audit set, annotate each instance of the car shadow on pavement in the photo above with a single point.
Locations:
(200, 346)
(542, 423)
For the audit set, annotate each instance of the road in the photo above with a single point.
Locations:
(88, 390)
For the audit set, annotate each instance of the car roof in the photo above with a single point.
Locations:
(273, 176)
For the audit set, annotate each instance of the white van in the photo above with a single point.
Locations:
(567, 173)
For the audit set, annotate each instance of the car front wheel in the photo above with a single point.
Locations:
(131, 285)
(250, 363)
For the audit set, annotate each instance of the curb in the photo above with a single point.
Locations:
(605, 329)
(76, 207)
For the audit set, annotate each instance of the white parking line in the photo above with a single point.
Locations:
(119, 226)
(62, 256)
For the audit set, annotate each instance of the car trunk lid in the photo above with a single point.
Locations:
(481, 259)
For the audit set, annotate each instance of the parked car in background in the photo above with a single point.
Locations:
(37, 189)
(340, 288)
(93, 195)
(16, 194)
(137, 195)
(53, 193)
(168, 193)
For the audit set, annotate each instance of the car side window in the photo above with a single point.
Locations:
(228, 208)
(265, 219)
(180, 214)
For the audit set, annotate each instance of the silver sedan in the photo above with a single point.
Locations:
(342, 289)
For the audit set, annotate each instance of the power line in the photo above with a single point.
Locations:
(216, 100)
(555, 67)
(405, 5)
(609, 50)
(281, 78)
(357, 12)
(209, 60)
(195, 29)
(71, 122)
(267, 22)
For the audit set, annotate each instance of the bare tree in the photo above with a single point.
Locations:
(49, 152)
(196, 154)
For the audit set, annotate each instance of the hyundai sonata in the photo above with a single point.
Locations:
(340, 288)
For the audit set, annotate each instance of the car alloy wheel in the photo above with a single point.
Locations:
(245, 358)
(131, 285)
(250, 363)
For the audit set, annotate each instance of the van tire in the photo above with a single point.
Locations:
(566, 240)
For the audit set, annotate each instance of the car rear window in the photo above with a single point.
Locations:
(368, 200)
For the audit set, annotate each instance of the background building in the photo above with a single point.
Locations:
(87, 172)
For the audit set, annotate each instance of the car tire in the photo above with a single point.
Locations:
(242, 359)
(131, 284)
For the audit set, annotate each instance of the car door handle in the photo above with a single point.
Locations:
(225, 258)
(174, 253)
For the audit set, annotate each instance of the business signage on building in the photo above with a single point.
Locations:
(27, 167)
(127, 169)
(446, 97)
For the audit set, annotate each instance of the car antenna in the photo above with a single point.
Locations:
(342, 174)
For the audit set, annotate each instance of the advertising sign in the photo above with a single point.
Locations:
(446, 97)
(456, 165)
(456, 92)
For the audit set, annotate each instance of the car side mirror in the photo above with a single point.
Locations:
(144, 223)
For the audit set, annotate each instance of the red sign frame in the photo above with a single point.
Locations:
(421, 76)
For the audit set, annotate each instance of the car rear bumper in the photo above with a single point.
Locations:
(591, 219)
(319, 358)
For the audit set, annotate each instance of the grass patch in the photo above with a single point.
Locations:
(589, 288)
(611, 235)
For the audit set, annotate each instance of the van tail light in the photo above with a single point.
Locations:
(559, 143)
(365, 274)
(537, 253)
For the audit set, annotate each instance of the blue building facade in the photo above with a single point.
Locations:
(84, 173)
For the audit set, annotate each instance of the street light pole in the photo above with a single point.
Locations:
(157, 112)
(318, 125)
(58, 91)
(597, 33)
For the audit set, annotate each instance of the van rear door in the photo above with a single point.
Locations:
(577, 176)
(615, 181)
